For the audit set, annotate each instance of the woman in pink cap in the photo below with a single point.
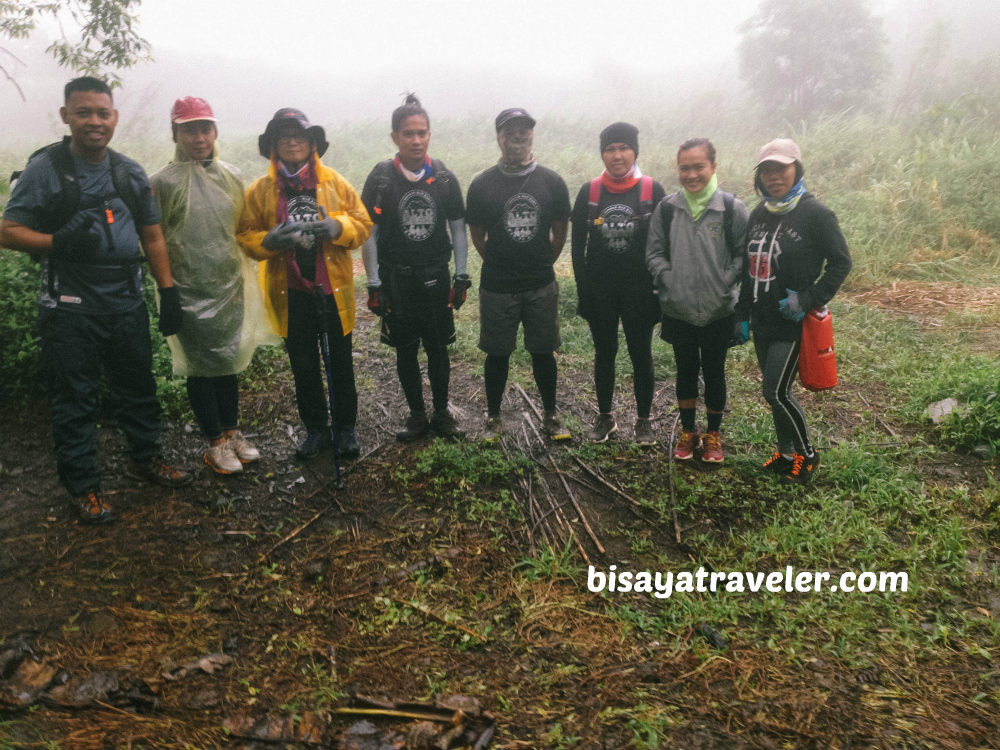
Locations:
(201, 199)
(798, 259)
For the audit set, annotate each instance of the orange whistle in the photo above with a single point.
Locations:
(109, 216)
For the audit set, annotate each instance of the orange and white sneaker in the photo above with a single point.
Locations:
(687, 443)
(222, 458)
(803, 468)
(245, 451)
(711, 446)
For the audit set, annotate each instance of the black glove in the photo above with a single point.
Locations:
(282, 237)
(378, 299)
(325, 229)
(459, 286)
(77, 242)
(170, 311)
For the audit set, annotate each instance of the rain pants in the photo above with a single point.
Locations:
(224, 318)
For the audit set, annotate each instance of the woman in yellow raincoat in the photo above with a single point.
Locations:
(302, 219)
(201, 200)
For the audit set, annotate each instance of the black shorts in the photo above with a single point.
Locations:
(419, 309)
(681, 333)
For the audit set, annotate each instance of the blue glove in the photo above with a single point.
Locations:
(741, 332)
(791, 308)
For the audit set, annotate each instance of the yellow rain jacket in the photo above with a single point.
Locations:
(222, 307)
(341, 202)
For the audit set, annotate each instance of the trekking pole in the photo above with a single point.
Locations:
(319, 303)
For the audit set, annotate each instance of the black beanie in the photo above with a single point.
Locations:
(620, 132)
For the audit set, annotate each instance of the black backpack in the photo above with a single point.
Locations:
(66, 203)
(728, 200)
(383, 179)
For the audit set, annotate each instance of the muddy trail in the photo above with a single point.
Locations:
(429, 603)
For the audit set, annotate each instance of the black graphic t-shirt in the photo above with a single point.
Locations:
(303, 208)
(517, 213)
(412, 217)
(615, 249)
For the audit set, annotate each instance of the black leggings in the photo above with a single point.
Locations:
(603, 322)
(215, 403)
(438, 371)
(543, 367)
(779, 362)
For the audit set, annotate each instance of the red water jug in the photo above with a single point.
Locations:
(817, 361)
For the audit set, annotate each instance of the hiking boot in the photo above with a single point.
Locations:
(553, 428)
(687, 443)
(802, 469)
(159, 472)
(777, 464)
(315, 440)
(492, 429)
(604, 427)
(347, 443)
(711, 447)
(245, 451)
(644, 431)
(93, 508)
(416, 427)
(445, 425)
(222, 458)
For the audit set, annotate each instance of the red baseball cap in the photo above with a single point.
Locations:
(189, 109)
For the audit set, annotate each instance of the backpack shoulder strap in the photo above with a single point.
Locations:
(667, 218)
(383, 175)
(62, 205)
(593, 200)
(729, 200)
(645, 195)
(122, 181)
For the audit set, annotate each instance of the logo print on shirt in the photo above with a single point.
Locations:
(303, 209)
(417, 215)
(520, 218)
(617, 228)
(762, 258)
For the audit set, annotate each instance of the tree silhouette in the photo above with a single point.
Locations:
(803, 57)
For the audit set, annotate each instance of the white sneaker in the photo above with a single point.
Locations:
(222, 458)
(244, 449)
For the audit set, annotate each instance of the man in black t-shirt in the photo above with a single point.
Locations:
(92, 315)
(518, 215)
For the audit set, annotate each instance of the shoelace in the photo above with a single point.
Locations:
(797, 461)
(95, 504)
(712, 442)
(773, 460)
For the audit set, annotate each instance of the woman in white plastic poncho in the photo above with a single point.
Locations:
(201, 199)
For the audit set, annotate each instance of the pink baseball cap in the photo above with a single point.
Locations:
(189, 109)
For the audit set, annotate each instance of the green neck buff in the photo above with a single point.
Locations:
(698, 202)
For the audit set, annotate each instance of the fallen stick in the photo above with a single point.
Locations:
(423, 610)
(606, 483)
(670, 464)
(291, 535)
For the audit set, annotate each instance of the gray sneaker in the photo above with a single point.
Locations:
(644, 432)
(604, 427)
(552, 426)
(444, 424)
(492, 429)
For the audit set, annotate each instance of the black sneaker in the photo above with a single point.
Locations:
(777, 464)
(415, 428)
(803, 468)
(159, 472)
(315, 440)
(93, 508)
(444, 424)
(604, 427)
(347, 443)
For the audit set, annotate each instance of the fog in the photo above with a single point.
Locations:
(345, 61)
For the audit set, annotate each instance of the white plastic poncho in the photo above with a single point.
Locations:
(223, 316)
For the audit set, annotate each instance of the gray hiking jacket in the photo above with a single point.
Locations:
(699, 281)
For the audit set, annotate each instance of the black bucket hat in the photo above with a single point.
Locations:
(269, 138)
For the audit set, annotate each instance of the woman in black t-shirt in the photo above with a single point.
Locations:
(610, 222)
(414, 201)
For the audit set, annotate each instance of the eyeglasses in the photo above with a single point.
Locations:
(290, 137)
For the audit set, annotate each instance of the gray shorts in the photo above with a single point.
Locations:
(500, 315)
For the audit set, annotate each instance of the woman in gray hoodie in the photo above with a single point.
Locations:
(695, 253)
